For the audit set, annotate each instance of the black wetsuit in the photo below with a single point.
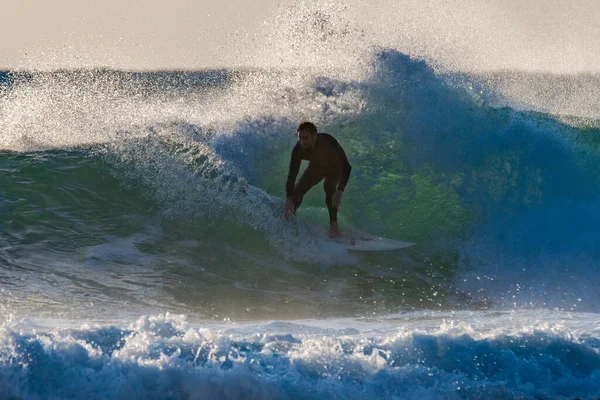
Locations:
(328, 161)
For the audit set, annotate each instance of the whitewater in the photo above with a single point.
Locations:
(143, 252)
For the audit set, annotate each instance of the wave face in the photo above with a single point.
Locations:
(103, 168)
(153, 193)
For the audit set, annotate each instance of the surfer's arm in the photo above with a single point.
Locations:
(295, 162)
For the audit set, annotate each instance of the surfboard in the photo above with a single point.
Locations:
(351, 238)
(360, 241)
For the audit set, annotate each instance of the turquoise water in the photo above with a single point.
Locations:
(143, 253)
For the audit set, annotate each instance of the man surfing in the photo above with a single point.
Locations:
(327, 161)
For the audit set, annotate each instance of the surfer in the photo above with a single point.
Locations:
(327, 161)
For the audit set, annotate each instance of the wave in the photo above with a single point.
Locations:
(432, 163)
(164, 356)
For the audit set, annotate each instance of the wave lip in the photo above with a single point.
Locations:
(165, 357)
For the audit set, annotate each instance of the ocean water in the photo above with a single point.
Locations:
(143, 253)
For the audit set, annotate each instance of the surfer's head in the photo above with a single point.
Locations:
(307, 134)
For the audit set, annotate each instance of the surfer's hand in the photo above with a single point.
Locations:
(337, 198)
(290, 208)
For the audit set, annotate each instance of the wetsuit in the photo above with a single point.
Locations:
(328, 161)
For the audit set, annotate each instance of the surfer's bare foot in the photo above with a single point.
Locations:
(334, 230)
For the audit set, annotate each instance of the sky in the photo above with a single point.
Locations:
(129, 34)
(560, 36)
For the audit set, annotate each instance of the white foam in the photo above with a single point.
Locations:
(418, 355)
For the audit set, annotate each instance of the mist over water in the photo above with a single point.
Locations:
(534, 55)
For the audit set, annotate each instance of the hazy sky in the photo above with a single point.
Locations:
(136, 34)
(552, 35)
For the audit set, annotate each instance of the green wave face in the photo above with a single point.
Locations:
(181, 186)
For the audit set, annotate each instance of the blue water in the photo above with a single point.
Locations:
(411, 355)
(143, 252)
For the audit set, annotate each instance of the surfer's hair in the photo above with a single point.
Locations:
(307, 127)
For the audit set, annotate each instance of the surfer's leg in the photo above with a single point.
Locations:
(330, 186)
(308, 179)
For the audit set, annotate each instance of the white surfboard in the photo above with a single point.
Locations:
(361, 241)
(351, 238)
